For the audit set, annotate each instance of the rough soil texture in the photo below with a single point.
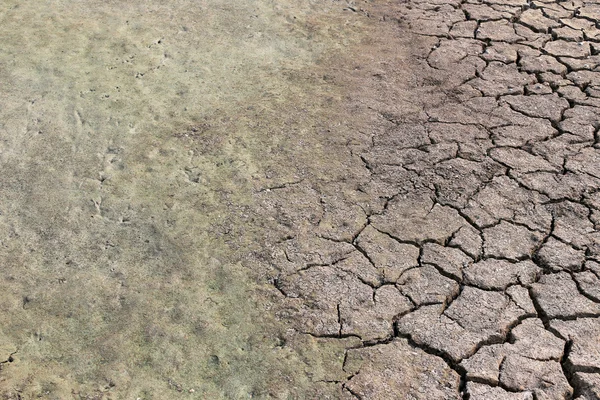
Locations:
(304, 200)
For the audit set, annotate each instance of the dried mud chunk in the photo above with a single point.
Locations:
(498, 274)
(571, 224)
(464, 29)
(315, 295)
(589, 284)
(476, 316)
(450, 260)
(544, 378)
(440, 132)
(357, 264)
(529, 339)
(469, 240)
(463, 114)
(587, 161)
(476, 151)
(451, 52)
(389, 180)
(568, 34)
(375, 322)
(479, 391)
(535, 19)
(588, 385)
(510, 241)
(576, 64)
(403, 136)
(501, 31)
(457, 180)
(341, 221)
(558, 297)
(533, 38)
(499, 79)
(427, 286)
(519, 135)
(428, 27)
(558, 256)
(562, 48)
(583, 115)
(538, 88)
(584, 78)
(585, 334)
(398, 370)
(485, 365)
(499, 51)
(557, 186)
(542, 63)
(418, 219)
(544, 106)
(390, 257)
(520, 296)
(591, 11)
(297, 253)
(521, 160)
(556, 149)
(481, 12)
(502, 198)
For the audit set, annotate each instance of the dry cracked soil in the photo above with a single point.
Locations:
(302, 199)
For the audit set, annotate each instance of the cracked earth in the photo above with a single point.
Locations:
(412, 212)
(463, 262)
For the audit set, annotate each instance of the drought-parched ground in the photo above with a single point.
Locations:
(300, 200)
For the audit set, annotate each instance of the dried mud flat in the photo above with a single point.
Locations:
(300, 200)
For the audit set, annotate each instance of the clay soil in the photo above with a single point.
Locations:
(303, 199)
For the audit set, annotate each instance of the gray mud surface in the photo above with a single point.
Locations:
(302, 199)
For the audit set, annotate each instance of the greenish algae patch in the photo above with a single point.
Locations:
(133, 136)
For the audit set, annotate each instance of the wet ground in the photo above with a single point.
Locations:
(300, 200)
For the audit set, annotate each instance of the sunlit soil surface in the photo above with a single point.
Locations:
(133, 135)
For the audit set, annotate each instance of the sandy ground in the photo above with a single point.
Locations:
(299, 200)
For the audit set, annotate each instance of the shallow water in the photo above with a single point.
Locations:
(133, 135)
